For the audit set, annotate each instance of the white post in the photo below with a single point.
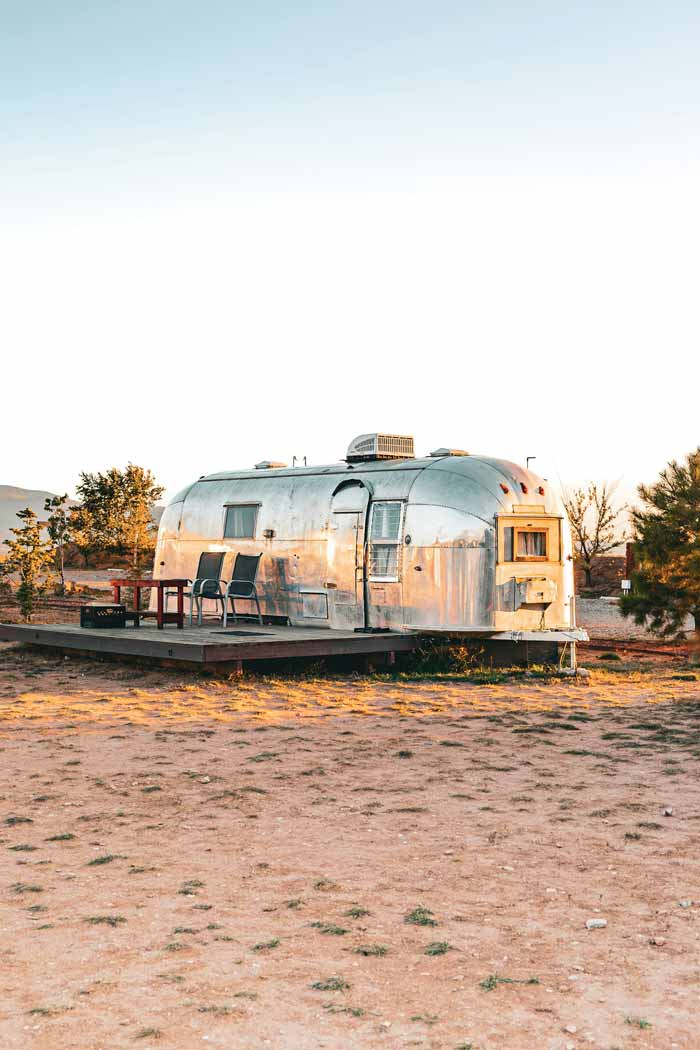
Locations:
(572, 623)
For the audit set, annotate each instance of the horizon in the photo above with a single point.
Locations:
(624, 496)
(477, 226)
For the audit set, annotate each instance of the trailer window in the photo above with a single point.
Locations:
(240, 521)
(384, 537)
(530, 545)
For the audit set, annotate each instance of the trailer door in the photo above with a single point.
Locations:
(384, 558)
(345, 583)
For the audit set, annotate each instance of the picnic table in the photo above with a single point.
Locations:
(161, 616)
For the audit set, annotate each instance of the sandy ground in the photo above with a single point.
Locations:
(189, 862)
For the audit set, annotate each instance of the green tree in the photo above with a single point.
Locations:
(30, 557)
(593, 520)
(116, 511)
(84, 534)
(666, 578)
(58, 527)
(138, 528)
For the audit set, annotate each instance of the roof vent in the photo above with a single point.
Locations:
(380, 446)
(448, 452)
(269, 464)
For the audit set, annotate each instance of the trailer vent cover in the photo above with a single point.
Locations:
(380, 446)
(448, 452)
(269, 464)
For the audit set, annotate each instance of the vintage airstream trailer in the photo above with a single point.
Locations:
(452, 543)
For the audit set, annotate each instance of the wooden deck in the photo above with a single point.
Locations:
(210, 644)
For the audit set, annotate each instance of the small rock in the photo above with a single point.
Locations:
(668, 811)
(685, 903)
(583, 672)
(657, 940)
(571, 1029)
(447, 852)
(571, 1046)
(596, 924)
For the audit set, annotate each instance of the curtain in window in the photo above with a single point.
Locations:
(532, 544)
(240, 522)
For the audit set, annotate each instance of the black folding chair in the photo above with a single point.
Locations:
(206, 585)
(242, 584)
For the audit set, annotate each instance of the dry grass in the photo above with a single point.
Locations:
(399, 864)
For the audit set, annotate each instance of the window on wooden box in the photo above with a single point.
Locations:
(531, 545)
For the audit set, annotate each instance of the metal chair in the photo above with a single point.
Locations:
(205, 586)
(242, 585)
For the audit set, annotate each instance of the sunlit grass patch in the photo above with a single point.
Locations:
(329, 927)
(437, 948)
(638, 1022)
(265, 946)
(331, 984)
(26, 887)
(106, 858)
(493, 980)
(325, 884)
(189, 887)
(420, 916)
(353, 1011)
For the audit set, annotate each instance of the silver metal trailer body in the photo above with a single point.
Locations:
(454, 543)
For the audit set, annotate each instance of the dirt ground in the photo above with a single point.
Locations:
(347, 862)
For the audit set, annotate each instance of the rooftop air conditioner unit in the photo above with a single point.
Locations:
(380, 446)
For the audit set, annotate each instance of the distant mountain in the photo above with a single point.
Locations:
(13, 499)
(12, 492)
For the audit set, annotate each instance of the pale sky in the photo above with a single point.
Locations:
(233, 232)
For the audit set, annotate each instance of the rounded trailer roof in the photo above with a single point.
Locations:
(478, 484)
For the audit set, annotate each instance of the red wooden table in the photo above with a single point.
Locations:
(161, 616)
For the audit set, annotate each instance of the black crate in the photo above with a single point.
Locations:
(97, 615)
